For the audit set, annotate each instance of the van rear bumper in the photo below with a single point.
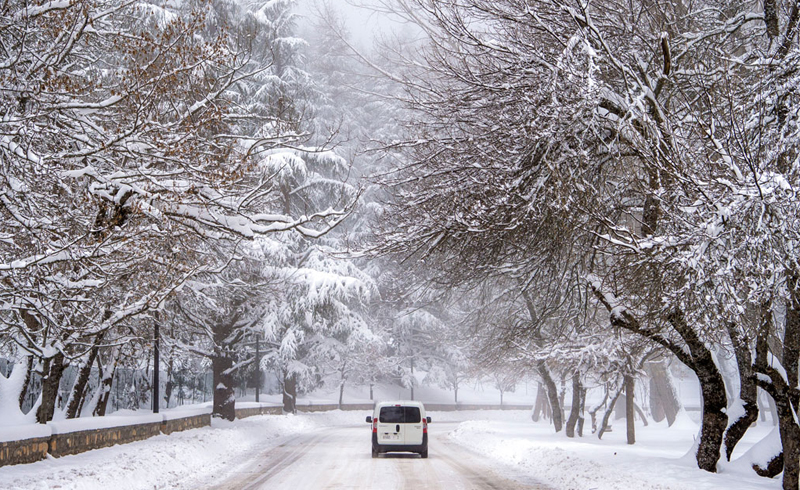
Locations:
(399, 448)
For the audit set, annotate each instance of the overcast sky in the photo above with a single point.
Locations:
(363, 22)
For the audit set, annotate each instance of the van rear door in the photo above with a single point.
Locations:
(391, 423)
(412, 418)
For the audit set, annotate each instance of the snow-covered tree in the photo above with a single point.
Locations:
(319, 313)
(650, 159)
(128, 168)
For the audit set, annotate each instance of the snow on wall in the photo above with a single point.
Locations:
(121, 418)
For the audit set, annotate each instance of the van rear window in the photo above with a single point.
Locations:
(412, 415)
(400, 415)
(392, 415)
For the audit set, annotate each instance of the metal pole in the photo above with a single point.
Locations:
(156, 338)
(258, 368)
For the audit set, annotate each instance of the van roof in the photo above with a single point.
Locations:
(405, 403)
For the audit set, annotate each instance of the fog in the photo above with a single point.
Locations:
(365, 21)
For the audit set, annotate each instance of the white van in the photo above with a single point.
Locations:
(399, 426)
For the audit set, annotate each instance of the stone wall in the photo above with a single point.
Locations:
(27, 451)
(242, 413)
(85, 440)
(61, 442)
(185, 423)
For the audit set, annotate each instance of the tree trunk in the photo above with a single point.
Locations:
(663, 396)
(32, 325)
(106, 381)
(581, 419)
(538, 406)
(224, 385)
(790, 440)
(714, 418)
(630, 414)
(180, 391)
(607, 415)
(79, 390)
(552, 392)
(290, 393)
(712, 386)
(641, 414)
(341, 392)
(24, 391)
(548, 412)
(787, 415)
(761, 365)
(748, 390)
(789, 459)
(52, 371)
(574, 414)
(552, 395)
(593, 410)
(782, 387)
(170, 385)
(656, 407)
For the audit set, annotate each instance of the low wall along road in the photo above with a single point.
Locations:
(27, 444)
(20, 445)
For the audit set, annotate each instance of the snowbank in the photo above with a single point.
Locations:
(655, 462)
(108, 421)
(186, 411)
(253, 404)
(22, 432)
(119, 418)
(182, 460)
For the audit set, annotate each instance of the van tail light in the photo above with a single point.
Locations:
(424, 426)
(375, 425)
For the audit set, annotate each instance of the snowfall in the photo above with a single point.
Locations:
(508, 441)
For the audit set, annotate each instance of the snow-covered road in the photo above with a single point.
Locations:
(331, 450)
(339, 457)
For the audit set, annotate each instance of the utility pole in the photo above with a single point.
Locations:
(156, 338)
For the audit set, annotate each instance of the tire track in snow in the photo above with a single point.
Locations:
(275, 460)
(338, 458)
(476, 476)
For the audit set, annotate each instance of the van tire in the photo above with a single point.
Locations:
(424, 454)
(374, 454)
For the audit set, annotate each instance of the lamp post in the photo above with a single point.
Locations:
(156, 337)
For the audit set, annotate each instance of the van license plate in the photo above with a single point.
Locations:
(391, 437)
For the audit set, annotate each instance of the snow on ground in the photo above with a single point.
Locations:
(181, 460)
(510, 442)
(660, 459)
